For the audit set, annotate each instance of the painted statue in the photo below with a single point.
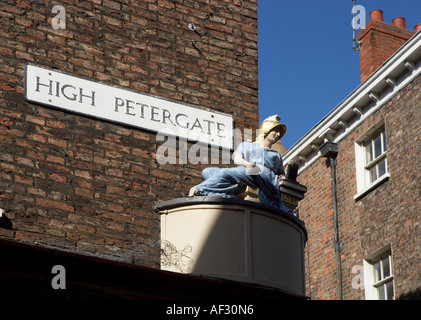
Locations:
(258, 166)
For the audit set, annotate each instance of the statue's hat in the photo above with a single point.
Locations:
(271, 123)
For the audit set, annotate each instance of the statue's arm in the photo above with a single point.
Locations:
(239, 161)
(281, 171)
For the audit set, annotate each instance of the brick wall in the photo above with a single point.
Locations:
(90, 186)
(316, 211)
(395, 216)
(387, 215)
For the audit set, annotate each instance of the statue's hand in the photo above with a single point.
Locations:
(281, 177)
(253, 169)
(250, 167)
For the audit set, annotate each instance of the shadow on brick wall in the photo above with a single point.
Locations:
(412, 295)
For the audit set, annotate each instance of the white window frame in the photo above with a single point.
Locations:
(363, 165)
(373, 284)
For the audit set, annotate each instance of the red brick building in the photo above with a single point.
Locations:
(361, 165)
(83, 190)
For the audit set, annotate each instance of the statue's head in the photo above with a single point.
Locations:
(269, 124)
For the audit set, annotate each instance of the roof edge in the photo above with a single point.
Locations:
(384, 83)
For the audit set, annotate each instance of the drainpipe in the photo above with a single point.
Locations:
(330, 151)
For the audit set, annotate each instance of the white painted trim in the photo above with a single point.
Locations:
(370, 293)
(354, 101)
(368, 280)
(372, 186)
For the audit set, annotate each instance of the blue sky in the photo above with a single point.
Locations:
(306, 62)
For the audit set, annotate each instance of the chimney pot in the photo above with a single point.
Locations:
(399, 22)
(417, 27)
(382, 41)
(376, 14)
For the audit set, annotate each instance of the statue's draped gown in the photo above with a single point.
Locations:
(226, 182)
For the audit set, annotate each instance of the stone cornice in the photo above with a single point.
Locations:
(389, 79)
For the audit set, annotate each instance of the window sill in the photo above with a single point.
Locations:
(372, 186)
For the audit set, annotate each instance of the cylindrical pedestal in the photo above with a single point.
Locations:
(233, 239)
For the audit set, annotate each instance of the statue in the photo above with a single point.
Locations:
(258, 166)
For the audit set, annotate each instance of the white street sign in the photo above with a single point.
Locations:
(75, 94)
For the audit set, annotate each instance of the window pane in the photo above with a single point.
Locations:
(386, 267)
(380, 291)
(369, 152)
(377, 146)
(377, 273)
(382, 167)
(384, 141)
(373, 174)
(389, 289)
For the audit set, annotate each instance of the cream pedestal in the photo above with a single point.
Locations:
(233, 239)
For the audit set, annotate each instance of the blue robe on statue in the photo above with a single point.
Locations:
(226, 182)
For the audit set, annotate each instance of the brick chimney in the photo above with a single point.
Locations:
(379, 40)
